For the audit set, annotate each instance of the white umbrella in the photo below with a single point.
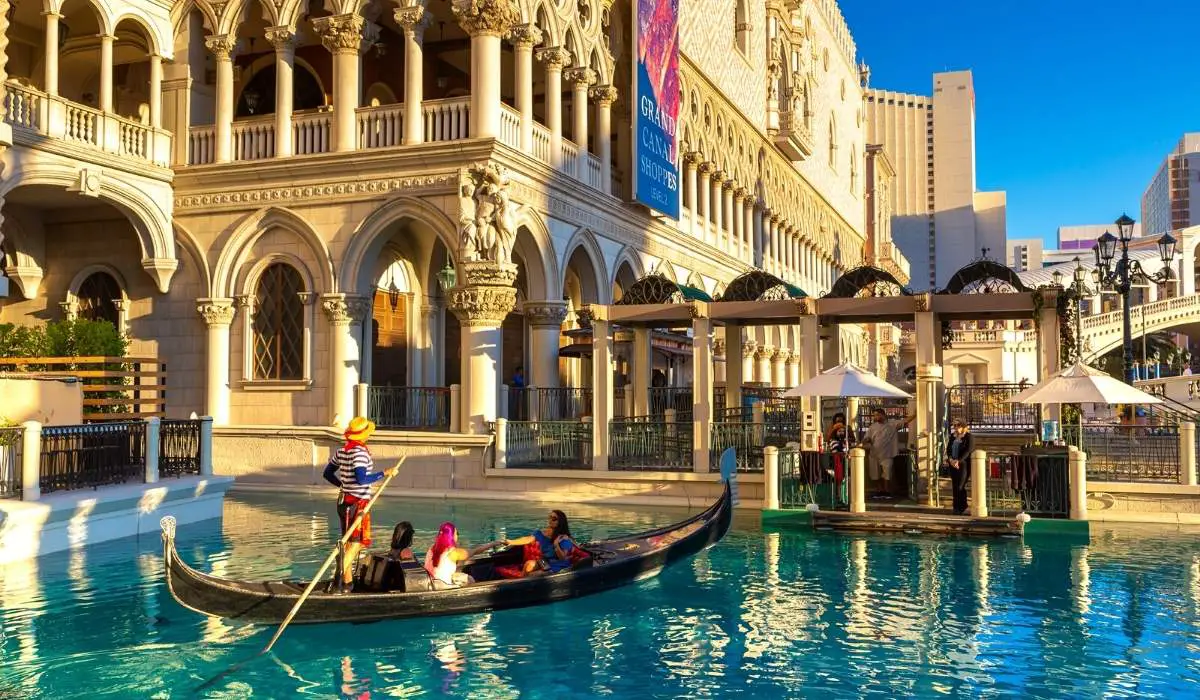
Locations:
(1082, 384)
(846, 380)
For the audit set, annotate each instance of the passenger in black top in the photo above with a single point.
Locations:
(402, 538)
(958, 458)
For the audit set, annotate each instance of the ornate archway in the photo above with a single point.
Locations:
(658, 289)
(984, 276)
(757, 285)
(867, 281)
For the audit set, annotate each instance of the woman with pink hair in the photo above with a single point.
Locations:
(444, 557)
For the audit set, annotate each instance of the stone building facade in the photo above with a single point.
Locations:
(275, 189)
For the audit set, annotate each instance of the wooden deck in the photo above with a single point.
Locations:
(916, 522)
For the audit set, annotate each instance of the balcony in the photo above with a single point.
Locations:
(382, 127)
(795, 139)
(892, 260)
(35, 117)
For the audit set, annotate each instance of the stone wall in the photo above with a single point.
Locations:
(707, 36)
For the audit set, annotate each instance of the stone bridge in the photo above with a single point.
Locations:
(1102, 333)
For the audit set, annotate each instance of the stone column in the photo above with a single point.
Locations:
(482, 302)
(640, 370)
(581, 80)
(690, 161)
(413, 20)
(554, 58)
(749, 347)
(779, 368)
(218, 315)
(50, 64)
(761, 259)
(772, 243)
(602, 391)
(485, 22)
(524, 37)
(705, 170)
(702, 390)
(808, 366)
(106, 72)
(346, 313)
(545, 319)
(283, 38)
(718, 209)
(746, 211)
(733, 217)
(604, 96)
(156, 78)
(762, 369)
(719, 372)
(222, 47)
(345, 36)
(793, 370)
(733, 365)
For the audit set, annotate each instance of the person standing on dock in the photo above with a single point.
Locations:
(882, 441)
(958, 458)
(350, 470)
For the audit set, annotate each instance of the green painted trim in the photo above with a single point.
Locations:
(1054, 527)
(787, 519)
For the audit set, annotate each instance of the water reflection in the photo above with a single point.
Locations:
(762, 614)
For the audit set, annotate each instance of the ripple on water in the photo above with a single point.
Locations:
(760, 615)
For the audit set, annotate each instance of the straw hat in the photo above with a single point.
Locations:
(360, 429)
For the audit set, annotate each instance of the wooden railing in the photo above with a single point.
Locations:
(114, 388)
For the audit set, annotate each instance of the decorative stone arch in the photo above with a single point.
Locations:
(187, 243)
(696, 280)
(758, 285)
(159, 42)
(104, 13)
(122, 304)
(866, 278)
(246, 288)
(237, 248)
(984, 276)
(585, 240)
(370, 236)
(267, 61)
(181, 11)
(536, 249)
(247, 278)
(543, 17)
(666, 269)
(151, 224)
(627, 256)
(22, 256)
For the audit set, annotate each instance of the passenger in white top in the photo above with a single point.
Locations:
(444, 557)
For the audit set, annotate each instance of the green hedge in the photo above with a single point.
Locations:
(78, 338)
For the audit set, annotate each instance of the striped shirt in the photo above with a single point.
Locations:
(352, 466)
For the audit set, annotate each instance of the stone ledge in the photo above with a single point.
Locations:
(592, 475)
(385, 437)
(1144, 488)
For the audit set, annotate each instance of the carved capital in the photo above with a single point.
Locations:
(692, 158)
(782, 355)
(579, 75)
(485, 17)
(413, 20)
(283, 38)
(766, 352)
(482, 306)
(793, 359)
(707, 168)
(526, 35)
(719, 348)
(748, 348)
(922, 302)
(221, 46)
(540, 314)
(603, 95)
(345, 309)
(345, 33)
(553, 56)
(216, 312)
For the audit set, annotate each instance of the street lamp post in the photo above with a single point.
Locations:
(1120, 274)
(1079, 289)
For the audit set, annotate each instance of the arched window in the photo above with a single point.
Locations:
(741, 26)
(97, 297)
(258, 97)
(832, 142)
(278, 324)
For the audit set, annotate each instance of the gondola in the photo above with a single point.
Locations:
(612, 563)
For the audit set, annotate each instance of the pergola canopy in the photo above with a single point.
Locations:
(656, 288)
(759, 285)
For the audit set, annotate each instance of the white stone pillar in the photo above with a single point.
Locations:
(718, 209)
(222, 48)
(705, 171)
(413, 20)
(762, 369)
(284, 41)
(156, 77)
(690, 162)
(733, 229)
(640, 370)
(979, 507)
(31, 460)
(604, 96)
(346, 313)
(153, 435)
(749, 347)
(206, 444)
(218, 315)
(1187, 453)
(524, 37)
(344, 36)
(779, 368)
(749, 245)
(554, 58)
(581, 80)
(793, 371)
(858, 472)
(50, 62)
(481, 303)
(485, 23)
(733, 365)
(501, 448)
(702, 391)
(1077, 472)
(761, 258)
(770, 478)
(106, 72)
(545, 319)
(602, 392)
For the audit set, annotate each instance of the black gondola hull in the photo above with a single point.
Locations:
(614, 563)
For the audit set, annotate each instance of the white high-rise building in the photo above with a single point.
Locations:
(941, 221)
(1024, 254)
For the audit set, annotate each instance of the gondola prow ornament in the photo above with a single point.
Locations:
(729, 474)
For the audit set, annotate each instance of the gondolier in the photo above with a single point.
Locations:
(350, 470)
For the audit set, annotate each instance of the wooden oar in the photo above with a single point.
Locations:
(329, 560)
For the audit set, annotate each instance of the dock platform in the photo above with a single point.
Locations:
(916, 523)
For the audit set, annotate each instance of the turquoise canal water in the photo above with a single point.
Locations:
(760, 615)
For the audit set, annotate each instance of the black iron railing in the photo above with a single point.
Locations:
(747, 440)
(812, 477)
(90, 456)
(650, 445)
(560, 404)
(10, 462)
(554, 444)
(986, 409)
(409, 407)
(179, 448)
(678, 398)
(1036, 484)
(1128, 452)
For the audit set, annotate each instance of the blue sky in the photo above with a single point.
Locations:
(1076, 102)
